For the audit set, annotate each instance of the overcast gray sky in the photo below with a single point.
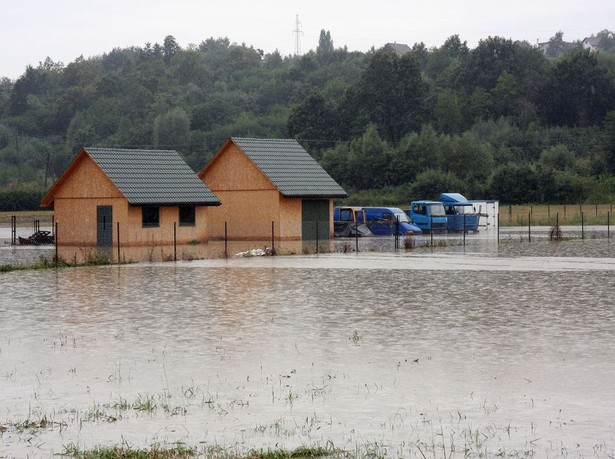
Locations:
(31, 30)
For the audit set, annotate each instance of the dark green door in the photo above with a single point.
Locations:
(315, 219)
(104, 226)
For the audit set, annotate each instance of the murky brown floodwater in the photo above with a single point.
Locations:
(484, 350)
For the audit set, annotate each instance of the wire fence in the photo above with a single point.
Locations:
(245, 238)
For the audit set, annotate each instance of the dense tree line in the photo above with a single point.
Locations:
(503, 120)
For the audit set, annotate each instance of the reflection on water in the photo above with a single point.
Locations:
(417, 353)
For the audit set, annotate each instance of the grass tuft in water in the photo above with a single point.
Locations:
(181, 451)
(126, 452)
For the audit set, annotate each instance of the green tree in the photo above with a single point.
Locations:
(468, 158)
(514, 184)
(431, 182)
(609, 142)
(314, 123)
(578, 91)
(81, 132)
(505, 95)
(325, 44)
(392, 94)
(607, 40)
(558, 157)
(447, 113)
(557, 46)
(368, 160)
(172, 130)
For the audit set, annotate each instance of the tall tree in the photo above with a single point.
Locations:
(578, 91)
(392, 94)
(325, 43)
(314, 123)
(557, 46)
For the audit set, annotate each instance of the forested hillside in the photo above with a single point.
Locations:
(503, 120)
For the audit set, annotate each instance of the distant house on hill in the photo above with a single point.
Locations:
(592, 43)
(137, 198)
(399, 48)
(270, 187)
(543, 46)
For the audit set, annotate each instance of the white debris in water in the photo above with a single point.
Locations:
(255, 252)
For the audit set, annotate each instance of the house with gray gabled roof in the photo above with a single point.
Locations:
(592, 43)
(123, 198)
(399, 48)
(270, 188)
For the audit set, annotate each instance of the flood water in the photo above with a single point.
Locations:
(481, 350)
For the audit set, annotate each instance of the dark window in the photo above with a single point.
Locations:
(187, 216)
(150, 216)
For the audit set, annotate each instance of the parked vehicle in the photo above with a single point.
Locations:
(387, 221)
(429, 216)
(460, 213)
(38, 238)
(350, 222)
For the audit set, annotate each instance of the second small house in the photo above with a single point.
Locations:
(133, 198)
(270, 189)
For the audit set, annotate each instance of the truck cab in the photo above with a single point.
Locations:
(460, 213)
(429, 216)
(388, 221)
(350, 221)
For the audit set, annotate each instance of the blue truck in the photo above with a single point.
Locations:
(429, 216)
(460, 213)
(389, 221)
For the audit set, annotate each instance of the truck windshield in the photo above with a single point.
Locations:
(437, 210)
(464, 210)
(402, 217)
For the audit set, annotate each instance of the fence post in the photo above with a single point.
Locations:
(272, 237)
(56, 243)
(608, 225)
(431, 229)
(118, 243)
(529, 227)
(317, 242)
(174, 241)
(498, 222)
(582, 227)
(464, 229)
(13, 229)
(225, 241)
(356, 235)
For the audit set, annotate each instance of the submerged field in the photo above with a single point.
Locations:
(481, 350)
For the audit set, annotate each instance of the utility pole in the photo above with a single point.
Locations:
(298, 32)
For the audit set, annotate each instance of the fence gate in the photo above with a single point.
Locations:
(104, 226)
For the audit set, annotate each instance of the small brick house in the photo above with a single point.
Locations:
(137, 198)
(270, 187)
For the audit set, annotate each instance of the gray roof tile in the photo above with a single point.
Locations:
(156, 177)
(290, 168)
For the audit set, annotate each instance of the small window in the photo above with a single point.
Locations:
(150, 216)
(345, 215)
(187, 216)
